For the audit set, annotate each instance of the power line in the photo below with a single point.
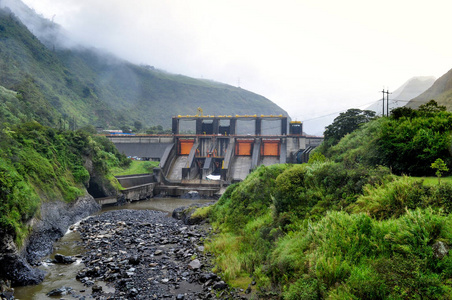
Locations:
(337, 112)
(361, 105)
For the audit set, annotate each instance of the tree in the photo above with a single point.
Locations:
(431, 107)
(138, 125)
(440, 167)
(403, 111)
(345, 123)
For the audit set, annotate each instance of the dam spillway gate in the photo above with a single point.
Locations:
(218, 148)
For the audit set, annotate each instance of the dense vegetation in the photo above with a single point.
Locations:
(407, 142)
(344, 226)
(70, 88)
(39, 163)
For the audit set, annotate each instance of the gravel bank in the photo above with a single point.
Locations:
(144, 254)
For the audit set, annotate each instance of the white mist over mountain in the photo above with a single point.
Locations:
(401, 96)
(312, 58)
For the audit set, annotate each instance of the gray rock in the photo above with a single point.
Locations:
(195, 264)
(207, 276)
(133, 292)
(96, 288)
(134, 260)
(440, 250)
(62, 259)
(221, 285)
(59, 292)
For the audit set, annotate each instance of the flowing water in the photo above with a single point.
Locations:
(58, 275)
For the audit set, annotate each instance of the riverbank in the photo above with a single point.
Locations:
(144, 254)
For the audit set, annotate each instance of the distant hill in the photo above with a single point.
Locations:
(440, 91)
(60, 85)
(409, 90)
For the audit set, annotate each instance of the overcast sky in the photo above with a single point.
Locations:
(312, 58)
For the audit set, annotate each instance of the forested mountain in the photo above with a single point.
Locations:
(440, 91)
(58, 85)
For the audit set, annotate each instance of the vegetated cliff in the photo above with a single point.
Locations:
(440, 91)
(46, 176)
(86, 86)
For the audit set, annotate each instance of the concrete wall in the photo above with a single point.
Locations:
(289, 146)
(140, 192)
(141, 139)
(134, 180)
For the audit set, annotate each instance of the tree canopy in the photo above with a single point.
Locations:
(345, 123)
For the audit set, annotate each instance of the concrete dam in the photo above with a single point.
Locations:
(219, 151)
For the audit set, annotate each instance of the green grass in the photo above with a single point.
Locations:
(430, 181)
(136, 167)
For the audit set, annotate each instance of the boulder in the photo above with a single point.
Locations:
(194, 264)
(440, 250)
(62, 259)
(221, 285)
(59, 292)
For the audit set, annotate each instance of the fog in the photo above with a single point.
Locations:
(312, 58)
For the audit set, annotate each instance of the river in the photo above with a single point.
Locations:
(64, 275)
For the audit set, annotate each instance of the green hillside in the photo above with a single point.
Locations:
(441, 92)
(345, 225)
(85, 86)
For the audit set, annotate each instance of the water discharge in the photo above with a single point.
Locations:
(64, 275)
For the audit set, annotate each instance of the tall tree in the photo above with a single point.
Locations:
(345, 123)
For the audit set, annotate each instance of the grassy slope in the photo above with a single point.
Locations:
(376, 245)
(99, 89)
(136, 167)
(144, 93)
(341, 230)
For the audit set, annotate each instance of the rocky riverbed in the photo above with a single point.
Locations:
(144, 254)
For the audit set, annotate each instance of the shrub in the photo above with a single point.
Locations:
(392, 199)
(360, 258)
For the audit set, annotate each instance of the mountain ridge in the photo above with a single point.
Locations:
(411, 88)
(440, 91)
(91, 87)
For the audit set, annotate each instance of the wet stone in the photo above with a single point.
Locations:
(61, 259)
(59, 292)
(145, 254)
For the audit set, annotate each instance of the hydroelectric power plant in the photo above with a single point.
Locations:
(219, 150)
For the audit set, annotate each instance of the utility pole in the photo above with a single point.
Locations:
(387, 102)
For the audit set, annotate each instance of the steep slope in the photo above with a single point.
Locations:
(410, 89)
(62, 86)
(440, 91)
(154, 96)
(46, 88)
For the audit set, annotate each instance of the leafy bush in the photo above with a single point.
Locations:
(363, 258)
(408, 142)
(392, 199)
(310, 190)
(248, 200)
